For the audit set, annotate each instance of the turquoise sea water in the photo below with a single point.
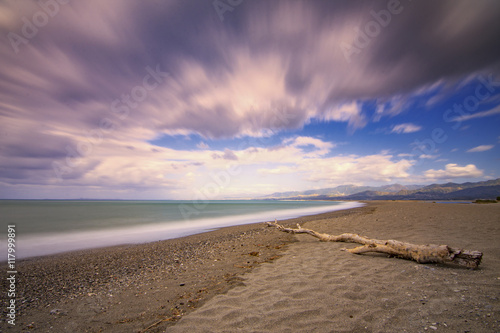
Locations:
(51, 226)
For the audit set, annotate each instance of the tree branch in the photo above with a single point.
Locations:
(422, 254)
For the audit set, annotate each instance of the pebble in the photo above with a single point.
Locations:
(57, 312)
(89, 273)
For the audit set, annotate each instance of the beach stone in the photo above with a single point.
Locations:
(57, 312)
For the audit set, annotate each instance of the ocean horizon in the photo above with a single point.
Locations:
(45, 227)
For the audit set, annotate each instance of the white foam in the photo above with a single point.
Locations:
(51, 243)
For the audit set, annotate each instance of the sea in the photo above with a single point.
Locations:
(44, 227)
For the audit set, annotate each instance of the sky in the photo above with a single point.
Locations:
(238, 99)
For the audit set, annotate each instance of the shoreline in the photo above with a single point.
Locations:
(255, 278)
(52, 243)
(316, 287)
(62, 290)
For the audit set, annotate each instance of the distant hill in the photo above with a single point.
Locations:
(450, 191)
(343, 190)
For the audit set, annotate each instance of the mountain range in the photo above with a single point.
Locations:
(450, 191)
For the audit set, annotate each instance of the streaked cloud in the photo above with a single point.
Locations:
(394, 106)
(427, 156)
(405, 128)
(84, 97)
(350, 113)
(481, 114)
(480, 148)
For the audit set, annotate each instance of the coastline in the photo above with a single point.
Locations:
(127, 222)
(316, 287)
(129, 287)
(255, 278)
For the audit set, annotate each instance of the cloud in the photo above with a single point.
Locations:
(304, 161)
(453, 170)
(394, 106)
(355, 169)
(482, 114)
(405, 128)
(434, 100)
(427, 156)
(83, 83)
(280, 170)
(350, 113)
(227, 155)
(310, 146)
(229, 80)
(202, 145)
(480, 148)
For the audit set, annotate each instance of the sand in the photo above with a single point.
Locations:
(256, 279)
(315, 287)
(132, 287)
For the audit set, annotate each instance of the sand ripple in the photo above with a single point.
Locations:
(315, 287)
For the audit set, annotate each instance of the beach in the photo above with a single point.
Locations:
(254, 278)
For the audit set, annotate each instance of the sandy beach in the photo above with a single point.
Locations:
(253, 278)
(315, 287)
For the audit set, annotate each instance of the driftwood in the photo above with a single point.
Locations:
(422, 254)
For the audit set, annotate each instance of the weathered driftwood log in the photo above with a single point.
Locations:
(422, 254)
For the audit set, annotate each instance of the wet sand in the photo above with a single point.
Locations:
(253, 278)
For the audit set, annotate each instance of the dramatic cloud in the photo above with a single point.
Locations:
(260, 60)
(88, 85)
